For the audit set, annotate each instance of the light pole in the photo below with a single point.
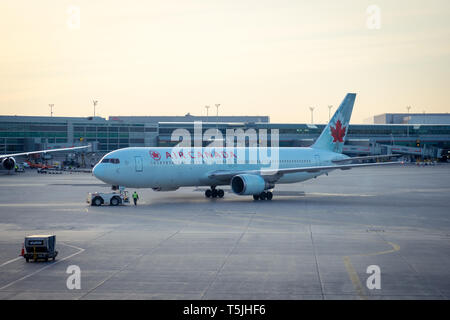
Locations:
(407, 124)
(207, 112)
(312, 111)
(217, 115)
(51, 109)
(329, 112)
(95, 103)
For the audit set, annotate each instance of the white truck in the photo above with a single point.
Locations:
(114, 198)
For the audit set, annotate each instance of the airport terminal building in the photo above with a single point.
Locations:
(28, 133)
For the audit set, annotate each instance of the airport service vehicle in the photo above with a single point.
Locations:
(166, 169)
(8, 162)
(40, 247)
(112, 198)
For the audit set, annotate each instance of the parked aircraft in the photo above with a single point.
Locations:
(8, 161)
(164, 169)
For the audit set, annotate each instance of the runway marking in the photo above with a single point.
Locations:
(233, 212)
(226, 259)
(24, 185)
(188, 220)
(339, 194)
(10, 261)
(147, 252)
(316, 261)
(39, 204)
(128, 264)
(354, 278)
(354, 275)
(395, 247)
(303, 219)
(70, 210)
(46, 267)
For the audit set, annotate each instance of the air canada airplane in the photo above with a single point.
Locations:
(164, 169)
(8, 162)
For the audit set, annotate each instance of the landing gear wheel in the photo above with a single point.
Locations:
(262, 196)
(214, 193)
(269, 195)
(256, 197)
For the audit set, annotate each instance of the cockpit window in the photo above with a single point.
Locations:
(111, 160)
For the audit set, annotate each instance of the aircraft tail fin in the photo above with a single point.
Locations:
(333, 136)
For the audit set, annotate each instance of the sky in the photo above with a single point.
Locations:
(275, 58)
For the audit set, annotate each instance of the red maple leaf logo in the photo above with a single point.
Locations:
(338, 132)
(155, 155)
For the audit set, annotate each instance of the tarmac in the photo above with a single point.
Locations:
(315, 240)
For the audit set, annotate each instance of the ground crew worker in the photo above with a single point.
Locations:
(135, 198)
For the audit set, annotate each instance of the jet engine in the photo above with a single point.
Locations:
(248, 184)
(9, 163)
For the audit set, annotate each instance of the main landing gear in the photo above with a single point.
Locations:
(263, 196)
(214, 193)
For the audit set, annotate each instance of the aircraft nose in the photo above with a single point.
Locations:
(99, 171)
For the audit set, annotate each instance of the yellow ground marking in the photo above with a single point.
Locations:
(395, 247)
(354, 278)
(354, 275)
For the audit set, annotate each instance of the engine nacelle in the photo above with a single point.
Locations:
(9, 163)
(248, 184)
(165, 188)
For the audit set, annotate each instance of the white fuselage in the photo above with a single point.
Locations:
(166, 169)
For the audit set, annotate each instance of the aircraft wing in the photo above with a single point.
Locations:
(342, 161)
(42, 151)
(272, 175)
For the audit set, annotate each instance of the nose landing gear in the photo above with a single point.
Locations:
(214, 193)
